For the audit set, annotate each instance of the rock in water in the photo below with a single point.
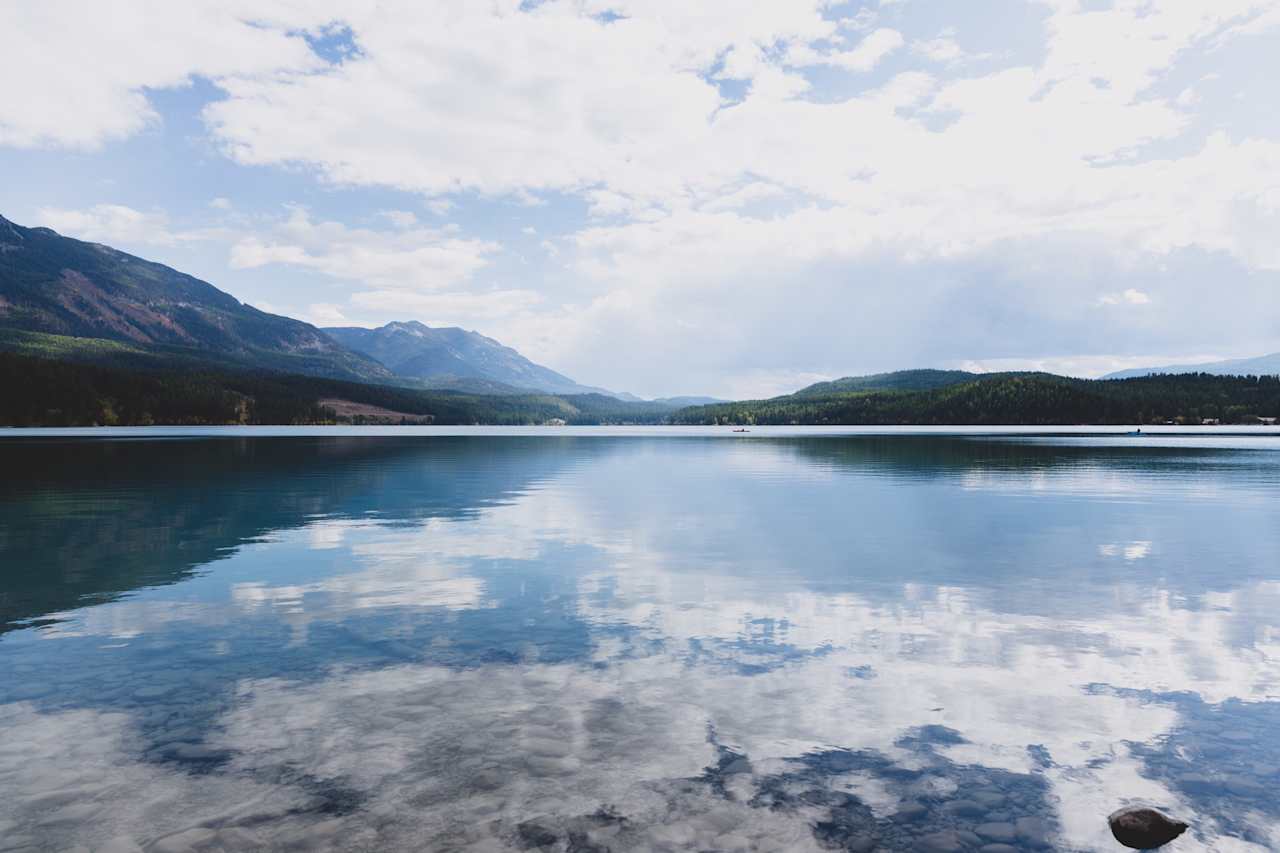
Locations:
(1144, 829)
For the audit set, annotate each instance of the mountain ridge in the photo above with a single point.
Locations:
(1262, 365)
(57, 285)
(73, 299)
(1031, 399)
(913, 379)
(444, 356)
(50, 392)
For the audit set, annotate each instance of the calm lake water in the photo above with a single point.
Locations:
(645, 640)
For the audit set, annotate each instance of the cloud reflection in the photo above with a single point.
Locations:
(682, 667)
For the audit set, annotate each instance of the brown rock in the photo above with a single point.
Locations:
(1144, 829)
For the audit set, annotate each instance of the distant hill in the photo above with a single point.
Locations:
(56, 285)
(1263, 365)
(72, 300)
(454, 358)
(55, 392)
(1040, 399)
(42, 391)
(901, 380)
(681, 402)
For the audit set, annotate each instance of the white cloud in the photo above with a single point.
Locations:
(78, 71)
(1019, 157)
(765, 382)
(455, 308)
(485, 97)
(1130, 296)
(866, 55)
(861, 20)
(871, 50)
(513, 99)
(112, 224)
(753, 193)
(408, 258)
(721, 172)
(944, 49)
(941, 49)
(1129, 44)
(400, 218)
(322, 314)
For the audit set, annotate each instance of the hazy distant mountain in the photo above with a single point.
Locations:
(901, 380)
(453, 358)
(60, 286)
(1263, 365)
(681, 402)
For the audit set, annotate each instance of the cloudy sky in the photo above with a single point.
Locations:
(733, 197)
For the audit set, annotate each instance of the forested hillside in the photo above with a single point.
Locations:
(38, 391)
(46, 392)
(899, 380)
(73, 289)
(1033, 399)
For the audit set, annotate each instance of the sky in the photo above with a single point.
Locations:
(726, 197)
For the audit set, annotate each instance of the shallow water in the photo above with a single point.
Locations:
(636, 640)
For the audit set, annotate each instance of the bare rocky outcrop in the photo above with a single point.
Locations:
(1143, 828)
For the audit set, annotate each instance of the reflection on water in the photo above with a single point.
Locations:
(557, 643)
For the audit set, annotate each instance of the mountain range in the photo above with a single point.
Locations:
(454, 358)
(899, 380)
(55, 285)
(88, 302)
(950, 398)
(1263, 365)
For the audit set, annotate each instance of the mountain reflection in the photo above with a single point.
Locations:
(639, 644)
(86, 521)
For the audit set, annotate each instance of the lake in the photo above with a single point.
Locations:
(661, 639)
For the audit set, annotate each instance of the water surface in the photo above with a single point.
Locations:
(636, 640)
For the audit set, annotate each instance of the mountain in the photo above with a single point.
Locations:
(1016, 398)
(900, 380)
(681, 402)
(454, 358)
(1263, 365)
(39, 391)
(77, 301)
(57, 286)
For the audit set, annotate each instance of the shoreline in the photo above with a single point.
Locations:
(671, 430)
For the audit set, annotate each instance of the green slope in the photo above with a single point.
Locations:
(51, 284)
(1027, 399)
(900, 380)
(38, 391)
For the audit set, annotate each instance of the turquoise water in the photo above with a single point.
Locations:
(636, 640)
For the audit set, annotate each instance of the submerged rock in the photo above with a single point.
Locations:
(535, 835)
(1144, 829)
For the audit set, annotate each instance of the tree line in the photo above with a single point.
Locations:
(38, 391)
(47, 392)
(1018, 399)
